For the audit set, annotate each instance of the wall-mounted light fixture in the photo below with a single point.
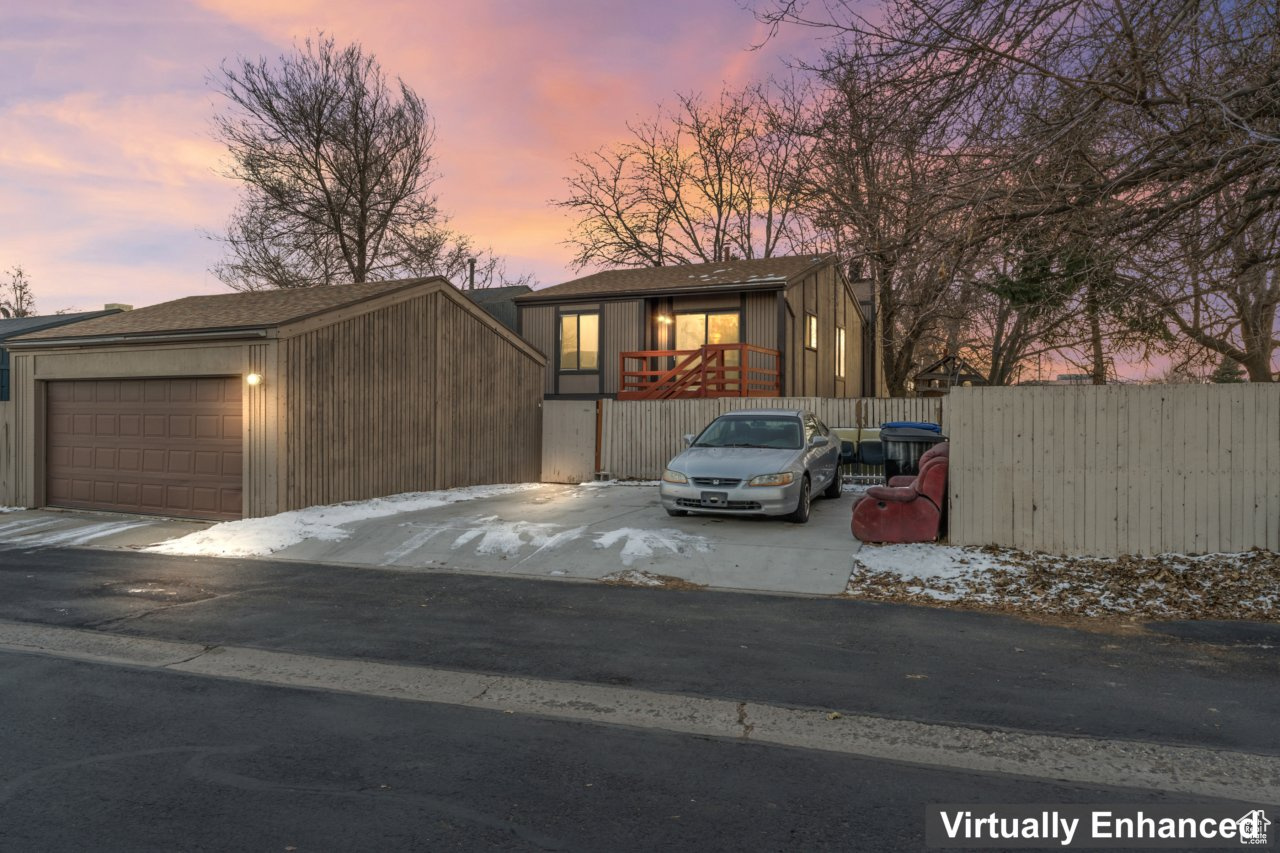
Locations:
(254, 379)
(664, 319)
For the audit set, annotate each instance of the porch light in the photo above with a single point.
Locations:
(664, 319)
(254, 379)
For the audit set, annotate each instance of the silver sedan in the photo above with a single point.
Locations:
(754, 462)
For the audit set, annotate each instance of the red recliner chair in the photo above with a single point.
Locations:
(910, 508)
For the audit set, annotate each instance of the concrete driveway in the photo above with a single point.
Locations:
(598, 531)
(588, 532)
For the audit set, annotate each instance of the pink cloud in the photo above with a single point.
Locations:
(110, 169)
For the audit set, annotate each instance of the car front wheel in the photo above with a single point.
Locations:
(801, 513)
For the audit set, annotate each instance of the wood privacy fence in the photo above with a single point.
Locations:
(639, 437)
(1116, 470)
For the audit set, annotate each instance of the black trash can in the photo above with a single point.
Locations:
(904, 445)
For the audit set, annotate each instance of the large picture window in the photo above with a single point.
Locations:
(580, 342)
(695, 330)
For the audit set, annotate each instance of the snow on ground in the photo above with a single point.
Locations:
(639, 543)
(44, 532)
(258, 537)
(508, 537)
(4, 509)
(1168, 586)
(603, 483)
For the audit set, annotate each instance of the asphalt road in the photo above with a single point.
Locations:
(112, 759)
(888, 660)
(108, 757)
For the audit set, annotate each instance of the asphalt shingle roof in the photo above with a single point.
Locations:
(12, 327)
(227, 311)
(681, 277)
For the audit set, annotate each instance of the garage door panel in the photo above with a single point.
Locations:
(166, 446)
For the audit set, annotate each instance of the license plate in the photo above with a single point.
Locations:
(715, 499)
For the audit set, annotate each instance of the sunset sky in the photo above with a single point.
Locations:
(109, 173)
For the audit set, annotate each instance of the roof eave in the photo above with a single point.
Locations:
(537, 298)
(235, 333)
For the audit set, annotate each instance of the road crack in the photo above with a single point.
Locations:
(747, 728)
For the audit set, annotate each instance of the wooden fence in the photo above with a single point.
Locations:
(639, 437)
(1116, 470)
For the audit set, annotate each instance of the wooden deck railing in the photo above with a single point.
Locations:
(715, 370)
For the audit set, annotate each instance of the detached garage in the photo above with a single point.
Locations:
(249, 404)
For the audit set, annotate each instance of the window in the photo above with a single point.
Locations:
(839, 353)
(810, 331)
(696, 330)
(4, 375)
(580, 342)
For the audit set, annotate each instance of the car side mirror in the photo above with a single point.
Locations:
(819, 441)
(688, 439)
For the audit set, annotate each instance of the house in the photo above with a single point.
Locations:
(785, 326)
(950, 371)
(249, 404)
(500, 302)
(10, 328)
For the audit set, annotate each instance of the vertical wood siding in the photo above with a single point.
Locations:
(538, 327)
(8, 453)
(639, 437)
(1117, 469)
(418, 395)
(568, 441)
(621, 330)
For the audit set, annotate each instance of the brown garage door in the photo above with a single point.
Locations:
(154, 446)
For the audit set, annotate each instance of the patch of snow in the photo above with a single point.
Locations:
(508, 537)
(639, 543)
(927, 562)
(4, 509)
(257, 537)
(634, 577)
(600, 484)
(34, 533)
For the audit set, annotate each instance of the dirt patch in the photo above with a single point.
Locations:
(1120, 591)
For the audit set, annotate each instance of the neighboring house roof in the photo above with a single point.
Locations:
(228, 311)
(952, 369)
(499, 301)
(10, 328)
(242, 315)
(725, 275)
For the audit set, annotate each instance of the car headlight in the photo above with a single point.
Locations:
(669, 476)
(783, 479)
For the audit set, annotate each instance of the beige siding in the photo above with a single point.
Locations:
(9, 452)
(414, 396)
(568, 440)
(639, 437)
(1116, 470)
(32, 369)
(761, 321)
(538, 327)
(621, 330)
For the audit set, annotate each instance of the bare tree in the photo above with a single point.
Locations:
(702, 182)
(16, 298)
(337, 166)
(1183, 101)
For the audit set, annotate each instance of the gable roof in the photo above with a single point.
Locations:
(10, 328)
(482, 295)
(765, 273)
(226, 312)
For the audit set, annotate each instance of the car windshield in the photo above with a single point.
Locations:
(782, 433)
